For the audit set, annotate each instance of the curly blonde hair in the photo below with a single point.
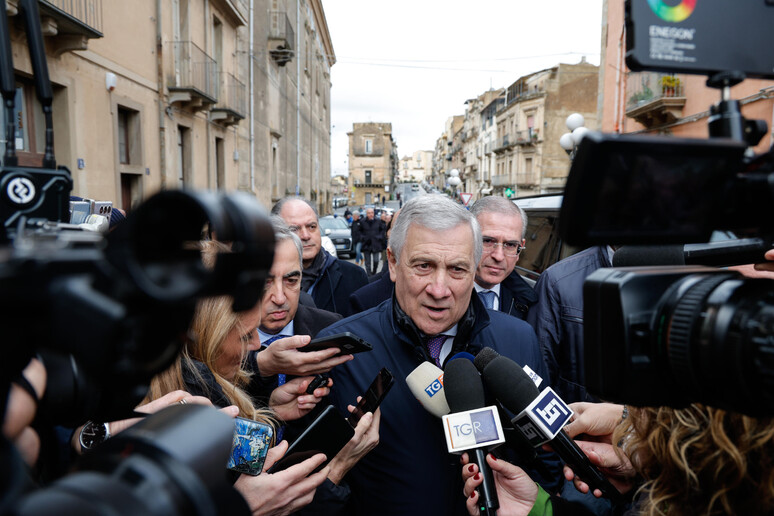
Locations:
(700, 460)
(213, 321)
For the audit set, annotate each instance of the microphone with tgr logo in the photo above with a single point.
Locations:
(472, 427)
(540, 416)
(426, 384)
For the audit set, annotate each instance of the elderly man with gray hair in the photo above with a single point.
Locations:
(432, 253)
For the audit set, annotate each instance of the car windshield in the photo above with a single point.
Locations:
(332, 223)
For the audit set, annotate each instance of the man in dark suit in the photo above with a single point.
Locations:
(287, 325)
(503, 228)
(329, 280)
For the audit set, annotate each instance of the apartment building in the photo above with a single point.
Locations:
(529, 160)
(666, 103)
(373, 162)
(415, 168)
(155, 94)
(447, 150)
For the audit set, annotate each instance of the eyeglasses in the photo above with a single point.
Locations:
(509, 248)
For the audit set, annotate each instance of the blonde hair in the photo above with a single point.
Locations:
(700, 460)
(213, 321)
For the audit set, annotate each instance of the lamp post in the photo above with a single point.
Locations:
(569, 141)
(454, 180)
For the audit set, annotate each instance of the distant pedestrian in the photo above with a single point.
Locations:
(357, 242)
(372, 235)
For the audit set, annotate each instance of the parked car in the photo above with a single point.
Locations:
(338, 231)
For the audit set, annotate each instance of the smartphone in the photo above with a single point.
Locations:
(373, 397)
(327, 434)
(250, 445)
(347, 342)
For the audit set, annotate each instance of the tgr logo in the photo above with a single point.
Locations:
(472, 429)
(20, 190)
(435, 386)
(481, 427)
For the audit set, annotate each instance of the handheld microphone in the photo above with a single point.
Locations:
(465, 393)
(426, 384)
(540, 416)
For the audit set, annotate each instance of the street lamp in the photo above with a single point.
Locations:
(454, 180)
(569, 141)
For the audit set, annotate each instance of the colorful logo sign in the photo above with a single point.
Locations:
(674, 14)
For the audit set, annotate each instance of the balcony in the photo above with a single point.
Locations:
(528, 137)
(526, 179)
(236, 11)
(232, 101)
(281, 38)
(67, 24)
(655, 98)
(192, 75)
(503, 144)
(501, 180)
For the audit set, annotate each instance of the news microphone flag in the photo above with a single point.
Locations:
(426, 384)
(544, 418)
(477, 428)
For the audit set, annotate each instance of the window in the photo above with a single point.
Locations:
(129, 138)
(183, 155)
(29, 127)
(369, 146)
(123, 136)
(220, 164)
(368, 177)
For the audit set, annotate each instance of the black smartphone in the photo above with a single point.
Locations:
(250, 446)
(373, 397)
(327, 434)
(347, 342)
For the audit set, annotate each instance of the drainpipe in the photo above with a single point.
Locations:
(252, 97)
(162, 99)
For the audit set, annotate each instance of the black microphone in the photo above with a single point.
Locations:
(464, 391)
(715, 254)
(539, 415)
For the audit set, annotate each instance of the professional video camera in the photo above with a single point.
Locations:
(107, 313)
(676, 335)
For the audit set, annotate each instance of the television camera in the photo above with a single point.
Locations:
(677, 335)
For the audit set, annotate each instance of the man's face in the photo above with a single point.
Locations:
(434, 278)
(302, 220)
(370, 214)
(283, 288)
(495, 265)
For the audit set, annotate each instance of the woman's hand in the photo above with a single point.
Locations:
(283, 356)
(365, 439)
(516, 492)
(284, 492)
(290, 400)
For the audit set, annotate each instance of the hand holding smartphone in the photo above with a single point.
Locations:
(373, 397)
(348, 343)
(250, 446)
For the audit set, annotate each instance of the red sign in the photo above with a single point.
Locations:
(465, 197)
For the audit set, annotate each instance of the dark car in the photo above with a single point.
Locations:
(338, 231)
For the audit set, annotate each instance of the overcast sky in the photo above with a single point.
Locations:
(415, 63)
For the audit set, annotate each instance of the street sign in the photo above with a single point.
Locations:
(466, 197)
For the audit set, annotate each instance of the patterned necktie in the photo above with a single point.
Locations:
(280, 376)
(434, 345)
(487, 296)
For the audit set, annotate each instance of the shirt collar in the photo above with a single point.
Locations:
(495, 289)
(287, 331)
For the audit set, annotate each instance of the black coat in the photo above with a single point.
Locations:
(336, 282)
(372, 294)
(372, 234)
(356, 228)
(516, 296)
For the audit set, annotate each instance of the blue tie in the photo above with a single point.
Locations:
(488, 297)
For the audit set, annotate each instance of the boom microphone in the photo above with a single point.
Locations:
(426, 384)
(465, 392)
(715, 254)
(540, 416)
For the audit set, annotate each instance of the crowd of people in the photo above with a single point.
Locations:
(447, 286)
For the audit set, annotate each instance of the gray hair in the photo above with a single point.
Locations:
(437, 213)
(277, 208)
(282, 232)
(502, 206)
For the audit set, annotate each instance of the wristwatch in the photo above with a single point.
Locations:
(93, 434)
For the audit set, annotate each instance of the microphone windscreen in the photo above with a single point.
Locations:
(462, 383)
(462, 354)
(646, 255)
(509, 384)
(425, 383)
(483, 358)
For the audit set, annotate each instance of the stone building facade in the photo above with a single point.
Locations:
(156, 94)
(416, 167)
(373, 162)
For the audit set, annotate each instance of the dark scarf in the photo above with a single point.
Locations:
(310, 274)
